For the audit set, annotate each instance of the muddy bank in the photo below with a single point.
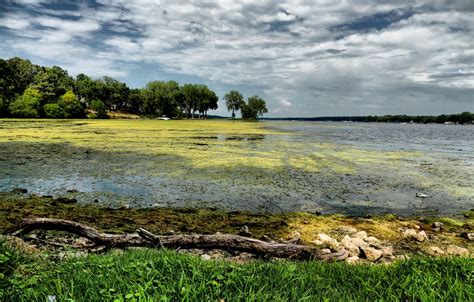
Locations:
(304, 228)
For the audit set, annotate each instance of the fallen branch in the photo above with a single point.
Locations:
(144, 238)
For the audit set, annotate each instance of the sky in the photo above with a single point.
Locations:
(304, 57)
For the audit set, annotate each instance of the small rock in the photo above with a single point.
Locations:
(352, 259)
(350, 246)
(387, 251)
(361, 235)
(457, 251)
(20, 191)
(325, 251)
(421, 236)
(421, 195)
(436, 251)
(468, 236)
(371, 254)
(346, 230)
(205, 257)
(437, 226)
(318, 242)
(373, 241)
(409, 233)
(327, 240)
(244, 231)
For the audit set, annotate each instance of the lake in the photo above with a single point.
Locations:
(351, 168)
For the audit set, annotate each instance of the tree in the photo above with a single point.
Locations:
(54, 111)
(71, 106)
(160, 98)
(254, 108)
(52, 83)
(100, 109)
(234, 101)
(207, 100)
(27, 105)
(23, 74)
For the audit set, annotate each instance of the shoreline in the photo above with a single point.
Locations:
(396, 237)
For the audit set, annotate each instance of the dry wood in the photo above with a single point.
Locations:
(144, 238)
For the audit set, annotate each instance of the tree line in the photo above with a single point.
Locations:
(461, 118)
(31, 91)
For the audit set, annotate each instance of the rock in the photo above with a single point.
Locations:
(20, 191)
(350, 246)
(65, 200)
(361, 235)
(413, 235)
(468, 236)
(328, 241)
(325, 251)
(373, 241)
(436, 251)
(346, 230)
(371, 254)
(421, 236)
(457, 251)
(244, 231)
(437, 225)
(318, 242)
(421, 195)
(387, 251)
(295, 238)
(353, 259)
(205, 257)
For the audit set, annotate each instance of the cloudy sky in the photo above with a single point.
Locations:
(306, 58)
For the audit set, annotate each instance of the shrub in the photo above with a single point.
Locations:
(54, 111)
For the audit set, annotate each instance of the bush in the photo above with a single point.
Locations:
(100, 109)
(72, 107)
(54, 111)
(25, 106)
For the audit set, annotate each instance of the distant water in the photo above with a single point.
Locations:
(451, 140)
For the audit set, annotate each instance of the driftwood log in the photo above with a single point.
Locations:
(144, 238)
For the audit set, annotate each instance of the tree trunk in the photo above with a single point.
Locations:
(144, 238)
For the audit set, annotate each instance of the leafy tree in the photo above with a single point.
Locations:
(254, 108)
(72, 107)
(27, 105)
(160, 97)
(23, 74)
(207, 100)
(100, 109)
(52, 83)
(7, 87)
(234, 101)
(191, 99)
(54, 111)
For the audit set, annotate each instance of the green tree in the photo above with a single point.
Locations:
(72, 107)
(27, 105)
(161, 98)
(254, 108)
(23, 74)
(234, 101)
(54, 111)
(52, 83)
(100, 109)
(207, 100)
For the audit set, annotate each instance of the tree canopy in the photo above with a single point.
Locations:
(254, 107)
(28, 90)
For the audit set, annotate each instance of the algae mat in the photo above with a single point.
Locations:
(230, 165)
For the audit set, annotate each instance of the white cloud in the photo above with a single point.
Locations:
(285, 50)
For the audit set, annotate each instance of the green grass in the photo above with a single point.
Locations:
(150, 275)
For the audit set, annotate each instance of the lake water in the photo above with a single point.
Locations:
(351, 168)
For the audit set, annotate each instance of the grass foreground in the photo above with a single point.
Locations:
(151, 275)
